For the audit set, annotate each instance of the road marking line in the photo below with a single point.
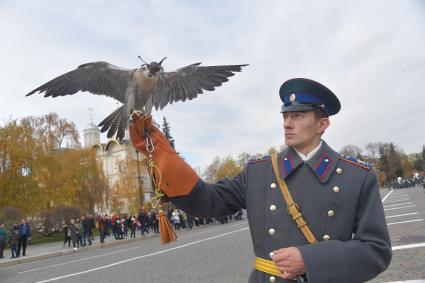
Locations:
(400, 215)
(400, 207)
(408, 281)
(398, 200)
(398, 204)
(120, 251)
(76, 260)
(387, 195)
(408, 221)
(399, 195)
(143, 256)
(410, 246)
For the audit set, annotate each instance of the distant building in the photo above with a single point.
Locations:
(115, 157)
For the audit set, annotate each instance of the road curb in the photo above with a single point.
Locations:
(83, 249)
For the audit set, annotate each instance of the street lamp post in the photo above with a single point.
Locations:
(139, 177)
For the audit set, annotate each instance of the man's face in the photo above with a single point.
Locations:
(303, 129)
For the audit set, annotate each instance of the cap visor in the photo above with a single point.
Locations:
(295, 108)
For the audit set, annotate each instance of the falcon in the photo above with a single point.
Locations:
(138, 89)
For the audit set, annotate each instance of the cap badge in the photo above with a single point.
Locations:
(292, 97)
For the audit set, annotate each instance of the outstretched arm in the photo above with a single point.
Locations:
(180, 182)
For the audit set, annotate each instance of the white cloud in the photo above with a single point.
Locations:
(369, 53)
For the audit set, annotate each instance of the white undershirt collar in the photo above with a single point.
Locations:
(310, 154)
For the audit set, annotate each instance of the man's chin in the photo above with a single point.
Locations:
(290, 142)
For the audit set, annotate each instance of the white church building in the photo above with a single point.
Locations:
(114, 155)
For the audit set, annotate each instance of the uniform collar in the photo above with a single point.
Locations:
(310, 154)
(322, 163)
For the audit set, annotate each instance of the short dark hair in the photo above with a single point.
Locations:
(319, 114)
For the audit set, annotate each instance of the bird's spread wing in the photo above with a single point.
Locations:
(188, 82)
(98, 77)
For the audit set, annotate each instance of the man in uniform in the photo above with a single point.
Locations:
(338, 197)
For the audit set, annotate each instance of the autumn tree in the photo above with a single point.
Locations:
(221, 168)
(352, 150)
(38, 173)
(418, 161)
(126, 194)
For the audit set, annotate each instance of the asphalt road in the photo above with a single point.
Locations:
(213, 253)
(405, 213)
(218, 253)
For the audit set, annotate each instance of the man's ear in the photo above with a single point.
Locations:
(323, 125)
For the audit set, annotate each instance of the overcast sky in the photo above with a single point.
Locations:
(370, 53)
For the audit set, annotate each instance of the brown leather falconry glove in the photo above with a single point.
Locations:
(178, 178)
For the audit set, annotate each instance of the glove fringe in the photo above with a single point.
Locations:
(166, 232)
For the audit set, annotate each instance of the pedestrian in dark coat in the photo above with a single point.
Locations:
(13, 240)
(338, 197)
(154, 221)
(101, 225)
(66, 236)
(74, 232)
(87, 226)
(3, 239)
(24, 235)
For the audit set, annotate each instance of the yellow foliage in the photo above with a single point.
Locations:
(37, 174)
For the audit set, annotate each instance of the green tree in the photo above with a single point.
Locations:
(166, 132)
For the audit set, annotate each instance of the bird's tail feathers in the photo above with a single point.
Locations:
(116, 122)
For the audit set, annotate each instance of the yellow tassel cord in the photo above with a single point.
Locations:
(166, 232)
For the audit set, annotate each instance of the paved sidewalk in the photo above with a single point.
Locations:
(40, 251)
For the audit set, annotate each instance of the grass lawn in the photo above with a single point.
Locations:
(57, 237)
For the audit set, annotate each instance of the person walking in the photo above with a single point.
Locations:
(176, 219)
(133, 226)
(87, 227)
(66, 235)
(74, 233)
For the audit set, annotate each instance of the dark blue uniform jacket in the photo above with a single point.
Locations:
(338, 197)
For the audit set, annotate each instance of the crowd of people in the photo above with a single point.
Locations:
(79, 232)
(402, 183)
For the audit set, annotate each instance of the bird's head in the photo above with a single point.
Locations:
(153, 67)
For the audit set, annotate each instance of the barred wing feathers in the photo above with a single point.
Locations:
(187, 82)
(100, 78)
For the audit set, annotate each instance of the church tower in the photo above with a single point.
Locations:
(91, 133)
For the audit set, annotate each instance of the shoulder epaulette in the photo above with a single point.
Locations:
(355, 161)
(260, 158)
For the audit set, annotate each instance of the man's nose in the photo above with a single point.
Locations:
(287, 123)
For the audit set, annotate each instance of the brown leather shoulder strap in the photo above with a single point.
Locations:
(291, 206)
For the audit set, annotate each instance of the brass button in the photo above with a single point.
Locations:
(272, 207)
(331, 213)
(326, 237)
(271, 254)
(272, 279)
(339, 171)
(273, 185)
(336, 189)
(271, 231)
